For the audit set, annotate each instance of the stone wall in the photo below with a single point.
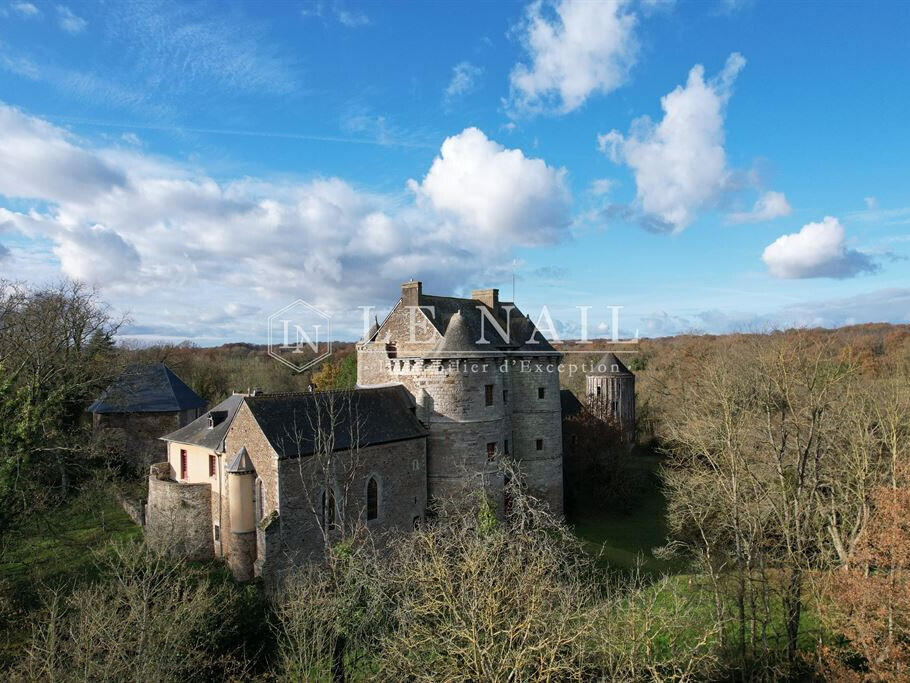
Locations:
(178, 517)
(538, 419)
(616, 400)
(460, 423)
(138, 435)
(400, 471)
(245, 433)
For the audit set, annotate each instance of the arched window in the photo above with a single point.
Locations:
(328, 510)
(372, 499)
(260, 500)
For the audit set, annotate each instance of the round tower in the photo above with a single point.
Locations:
(467, 415)
(611, 393)
(537, 425)
(241, 478)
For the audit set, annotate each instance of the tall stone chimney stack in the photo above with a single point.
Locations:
(488, 296)
(410, 293)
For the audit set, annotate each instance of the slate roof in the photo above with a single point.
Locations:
(467, 331)
(608, 361)
(291, 421)
(569, 403)
(240, 463)
(199, 433)
(147, 388)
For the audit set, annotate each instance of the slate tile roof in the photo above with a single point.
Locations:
(209, 429)
(467, 330)
(297, 424)
(147, 388)
(607, 362)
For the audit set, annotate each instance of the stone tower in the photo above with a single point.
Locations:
(611, 392)
(485, 382)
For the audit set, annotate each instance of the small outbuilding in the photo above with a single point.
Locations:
(144, 402)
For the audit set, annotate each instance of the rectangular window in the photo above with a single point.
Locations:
(217, 533)
(505, 395)
(540, 444)
(598, 390)
(540, 392)
(212, 464)
(491, 451)
(505, 447)
(183, 465)
(488, 394)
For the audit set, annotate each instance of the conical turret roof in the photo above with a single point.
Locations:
(241, 463)
(457, 338)
(610, 364)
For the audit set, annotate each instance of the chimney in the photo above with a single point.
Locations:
(488, 296)
(410, 293)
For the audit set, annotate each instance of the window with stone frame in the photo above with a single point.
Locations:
(488, 394)
(491, 451)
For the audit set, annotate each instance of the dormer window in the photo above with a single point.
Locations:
(391, 350)
(211, 421)
(614, 368)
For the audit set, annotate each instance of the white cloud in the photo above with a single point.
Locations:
(600, 186)
(576, 48)
(679, 164)
(96, 254)
(164, 239)
(26, 9)
(337, 11)
(817, 250)
(871, 203)
(494, 192)
(69, 22)
(769, 206)
(352, 19)
(464, 79)
(4, 253)
(41, 161)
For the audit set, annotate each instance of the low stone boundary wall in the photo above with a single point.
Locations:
(135, 509)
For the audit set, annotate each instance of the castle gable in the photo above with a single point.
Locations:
(433, 320)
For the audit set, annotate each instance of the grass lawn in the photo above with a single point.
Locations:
(624, 539)
(55, 550)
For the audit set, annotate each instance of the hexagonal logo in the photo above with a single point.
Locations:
(300, 335)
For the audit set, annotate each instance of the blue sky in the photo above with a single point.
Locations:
(205, 164)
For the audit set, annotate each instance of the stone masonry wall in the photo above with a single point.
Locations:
(245, 432)
(178, 517)
(535, 418)
(400, 471)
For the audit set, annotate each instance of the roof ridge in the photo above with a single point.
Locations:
(284, 394)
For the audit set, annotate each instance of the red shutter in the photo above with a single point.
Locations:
(211, 464)
(182, 464)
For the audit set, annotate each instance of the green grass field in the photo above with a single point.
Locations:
(56, 550)
(624, 540)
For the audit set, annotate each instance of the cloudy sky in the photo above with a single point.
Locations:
(710, 166)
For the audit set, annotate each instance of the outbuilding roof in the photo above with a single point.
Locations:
(298, 424)
(147, 388)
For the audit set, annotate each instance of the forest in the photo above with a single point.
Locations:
(758, 530)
